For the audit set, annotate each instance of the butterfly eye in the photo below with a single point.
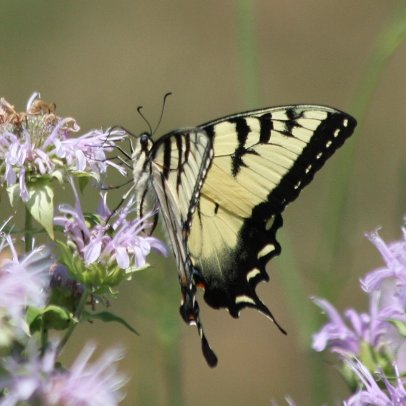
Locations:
(144, 138)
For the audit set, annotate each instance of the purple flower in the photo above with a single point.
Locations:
(113, 242)
(37, 380)
(23, 282)
(87, 152)
(394, 256)
(372, 393)
(346, 338)
(127, 245)
(390, 281)
(335, 334)
(373, 341)
(38, 143)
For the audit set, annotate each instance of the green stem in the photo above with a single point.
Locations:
(28, 230)
(44, 338)
(299, 304)
(173, 373)
(73, 323)
(247, 42)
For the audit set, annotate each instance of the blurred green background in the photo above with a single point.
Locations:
(99, 60)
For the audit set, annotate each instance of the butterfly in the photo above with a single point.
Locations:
(221, 188)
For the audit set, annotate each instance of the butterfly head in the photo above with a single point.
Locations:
(144, 143)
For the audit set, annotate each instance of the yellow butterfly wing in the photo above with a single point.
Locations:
(222, 187)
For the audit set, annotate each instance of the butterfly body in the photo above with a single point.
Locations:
(221, 188)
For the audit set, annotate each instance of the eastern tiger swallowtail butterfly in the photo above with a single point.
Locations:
(221, 188)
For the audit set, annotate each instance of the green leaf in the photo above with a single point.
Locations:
(41, 204)
(73, 263)
(51, 317)
(13, 192)
(59, 175)
(107, 317)
(83, 182)
(88, 175)
(92, 219)
(32, 314)
(57, 317)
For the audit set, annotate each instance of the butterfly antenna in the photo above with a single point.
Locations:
(162, 112)
(139, 108)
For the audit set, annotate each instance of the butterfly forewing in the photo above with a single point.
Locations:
(179, 166)
(221, 189)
